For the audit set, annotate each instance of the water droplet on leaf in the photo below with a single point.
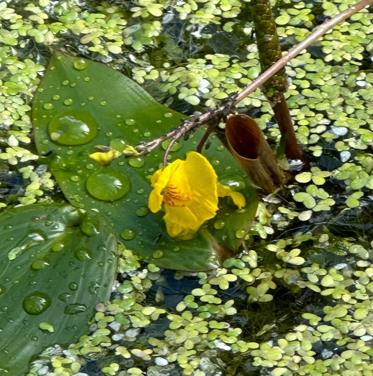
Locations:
(128, 234)
(142, 212)
(130, 121)
(58, 246)
(80, 64)
(117, 144)
(73, 286)
(48, 106)
(36, 303)
(37, 236)
(72, 128)
(73, 309)
(108, 186)
(39, 264)
(82, 254)
(64, 297)
(219, 225)
(136, 162)
(240, 234)
(93, 287)
(89, 228)
(157, 253)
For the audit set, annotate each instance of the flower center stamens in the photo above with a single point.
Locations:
(173, 196)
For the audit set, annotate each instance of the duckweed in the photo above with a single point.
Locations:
(297, 300)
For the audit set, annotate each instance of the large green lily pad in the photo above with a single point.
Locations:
(56, 264)
(82, 105)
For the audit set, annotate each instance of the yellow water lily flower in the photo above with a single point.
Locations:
(188, 191)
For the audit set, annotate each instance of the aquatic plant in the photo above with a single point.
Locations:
(297, 300)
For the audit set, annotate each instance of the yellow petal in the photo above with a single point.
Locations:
(181, 222)
(162, 176)
(105, 158)
(178, 191)
(237, 197)
(155, 201)
(203, 183)
(159, 182)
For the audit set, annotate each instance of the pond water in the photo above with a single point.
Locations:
(298, 299)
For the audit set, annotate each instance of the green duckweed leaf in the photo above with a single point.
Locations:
(353, 200)
(303, 177)
(82, 106)
(327, 281)
(56, 265)
(306, 198)
(283, 19)
(305, 215)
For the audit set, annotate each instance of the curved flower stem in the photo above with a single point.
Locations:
(204, 138)
(200, 119)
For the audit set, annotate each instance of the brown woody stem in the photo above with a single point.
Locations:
(269, 50)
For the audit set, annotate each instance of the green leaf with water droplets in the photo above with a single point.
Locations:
(83, 106)
(64, 264)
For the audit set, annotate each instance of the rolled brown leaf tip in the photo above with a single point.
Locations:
(248, 145)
